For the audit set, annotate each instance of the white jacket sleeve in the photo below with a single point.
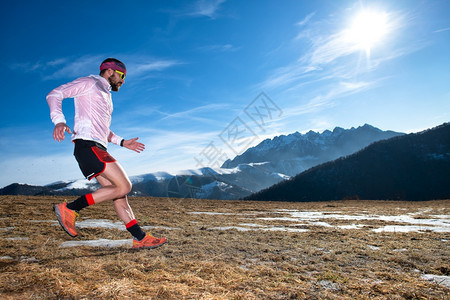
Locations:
(69, 90)
(114, 138)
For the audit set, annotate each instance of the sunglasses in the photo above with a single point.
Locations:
(122, 75)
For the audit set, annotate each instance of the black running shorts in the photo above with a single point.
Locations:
(91, 157)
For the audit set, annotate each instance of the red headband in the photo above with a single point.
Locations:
(113, 66)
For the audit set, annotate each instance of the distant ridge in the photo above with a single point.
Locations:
(411, 167)
(294, 153)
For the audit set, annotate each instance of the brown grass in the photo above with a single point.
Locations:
(201, 263)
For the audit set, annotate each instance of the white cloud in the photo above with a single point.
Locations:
(191, 114)
(287, 75)
(152, 65)
(219, 48)
(306, 19)
(205, 8)
(329, 49)
(442, 30)
(327, 100)
(70, 68)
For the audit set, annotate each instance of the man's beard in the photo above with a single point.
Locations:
(114, 85)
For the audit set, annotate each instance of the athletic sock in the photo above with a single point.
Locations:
(81, 202)
(135, 230)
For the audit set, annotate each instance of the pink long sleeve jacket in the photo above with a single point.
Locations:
(93, 108)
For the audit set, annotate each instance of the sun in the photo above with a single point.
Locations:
(367, 29)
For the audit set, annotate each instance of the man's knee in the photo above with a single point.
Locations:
(125, 188)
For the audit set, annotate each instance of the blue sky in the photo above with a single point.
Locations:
(207, 79)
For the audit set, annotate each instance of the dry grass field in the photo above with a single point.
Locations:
(228, 250)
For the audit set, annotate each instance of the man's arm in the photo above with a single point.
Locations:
(131, 144)
(55, 98)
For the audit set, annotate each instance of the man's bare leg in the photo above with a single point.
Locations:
(115, 186)
(121, 205)
(115, 183)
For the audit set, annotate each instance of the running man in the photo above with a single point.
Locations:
(91, 134)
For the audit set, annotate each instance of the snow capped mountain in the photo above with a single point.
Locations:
(271, 161)
(297, 152)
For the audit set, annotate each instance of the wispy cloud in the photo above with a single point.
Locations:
(327, 100)
(306, 19)
(67, 67)
(205, 8)
(442, 30)
(192, 114)
(150, 65)
(287, 75)
(330, 49)
(219, 48)
(71, 67)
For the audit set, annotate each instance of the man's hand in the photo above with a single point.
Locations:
(134, 145)
(59, 131)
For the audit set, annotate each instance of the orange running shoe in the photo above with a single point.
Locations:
(148, 242)
(66, 218)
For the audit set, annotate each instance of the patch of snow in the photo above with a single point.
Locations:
(198, 172)
(58, 182)
(43, 221)
(282, 176)
(78, 184)
(373, 247)
(352, 226)
(323, 224)
(100, 223)
(159, 227)
(282, 228)
(230, 228)
(441, 216)
(279, 219)
(7, 228)
(207, 189)
(208, 213)
(251, 226)
(329, 285)
(18, 238)
(441, 280)
(157, 176)
(410, 228)
(440, 224)
(98, 243)
(28, 259)
(259, 164)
